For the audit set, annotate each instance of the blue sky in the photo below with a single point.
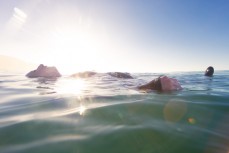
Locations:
(117, 35)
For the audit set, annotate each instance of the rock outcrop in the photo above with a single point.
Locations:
(44, 71)
(120, 75)
(85, 74)
(162, 83)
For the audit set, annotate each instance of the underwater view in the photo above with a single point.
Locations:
(104, 114)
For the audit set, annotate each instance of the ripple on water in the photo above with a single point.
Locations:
(109, 115)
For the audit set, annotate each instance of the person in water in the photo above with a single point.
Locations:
(209, 71)
(162, 83)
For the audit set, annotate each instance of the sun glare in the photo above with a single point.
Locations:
(75, 50)
(82, 110)
(71, 86)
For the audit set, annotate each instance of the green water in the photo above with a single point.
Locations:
(110, 116)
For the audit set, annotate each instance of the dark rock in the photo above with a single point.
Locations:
(44, 71)
(120, 75)
(152, 85)
(162, 83)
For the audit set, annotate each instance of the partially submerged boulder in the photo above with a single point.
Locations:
(44, 71)
(85, 74)
(120, 75)
(162, 83)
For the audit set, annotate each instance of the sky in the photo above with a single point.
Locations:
(117, 35)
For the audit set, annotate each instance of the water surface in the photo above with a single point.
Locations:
(105, 114)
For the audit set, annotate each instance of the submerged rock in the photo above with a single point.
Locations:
(120, 75)
(44, 71)
(85, 74)
(162, 83)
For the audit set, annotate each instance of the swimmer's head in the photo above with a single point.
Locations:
(209, 71)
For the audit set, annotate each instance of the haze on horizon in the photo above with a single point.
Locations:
(117, 35)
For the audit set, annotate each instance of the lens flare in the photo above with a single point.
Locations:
(174, 110)
(19, 14)
(192, 120)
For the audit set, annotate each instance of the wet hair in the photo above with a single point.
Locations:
(152, 85)
(209, 71)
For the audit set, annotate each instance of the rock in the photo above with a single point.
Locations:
(44, 71)
(85, 74)
(120, 75)
(155, 84)
(170, 84)
(162, 83)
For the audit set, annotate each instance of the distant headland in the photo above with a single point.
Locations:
(11, 64)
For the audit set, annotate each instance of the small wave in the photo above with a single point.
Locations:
(42, 143)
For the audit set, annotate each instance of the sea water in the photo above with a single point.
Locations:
(103, 114)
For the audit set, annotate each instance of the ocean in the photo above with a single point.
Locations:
(103, 114)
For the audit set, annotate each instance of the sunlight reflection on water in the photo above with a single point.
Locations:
(71, 86)
(100, 114)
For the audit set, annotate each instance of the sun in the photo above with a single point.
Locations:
(72, 50)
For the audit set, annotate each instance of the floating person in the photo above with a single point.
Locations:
(162, 83)
(44, 71)
(209, 71)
